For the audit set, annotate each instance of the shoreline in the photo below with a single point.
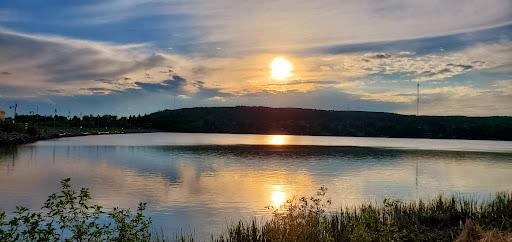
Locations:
(15, 138)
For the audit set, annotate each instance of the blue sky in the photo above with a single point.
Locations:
(138, 56)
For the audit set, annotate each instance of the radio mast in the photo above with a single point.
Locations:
(417, 98)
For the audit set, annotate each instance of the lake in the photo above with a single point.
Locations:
(201, 182)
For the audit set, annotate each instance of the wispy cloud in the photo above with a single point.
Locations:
(436, 67)
(452, 99)
(468, 100)
(38, 62)
(287, 24)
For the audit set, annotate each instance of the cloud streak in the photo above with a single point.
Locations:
(252, 26)
(39, 63)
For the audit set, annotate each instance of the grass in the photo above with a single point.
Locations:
(69, 216)
(441, 219)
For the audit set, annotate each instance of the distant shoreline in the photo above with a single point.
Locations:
(16, 138)
(22, 138)
(261, 120)
(299, 121)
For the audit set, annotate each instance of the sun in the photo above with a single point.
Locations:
(280, 68)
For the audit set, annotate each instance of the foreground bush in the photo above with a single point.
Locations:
(442, 219)
(69, 216)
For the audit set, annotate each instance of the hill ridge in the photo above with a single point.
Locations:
(303, 121)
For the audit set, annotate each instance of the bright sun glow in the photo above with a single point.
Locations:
(281, 68)
(278, 197)
(277, 140)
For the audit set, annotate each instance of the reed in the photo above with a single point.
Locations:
(441, 219)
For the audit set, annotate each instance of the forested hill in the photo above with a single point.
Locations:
(263, 120)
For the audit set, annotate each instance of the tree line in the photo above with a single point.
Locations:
(295, 121)
(88, 121)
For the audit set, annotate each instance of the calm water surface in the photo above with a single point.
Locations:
(202, 182)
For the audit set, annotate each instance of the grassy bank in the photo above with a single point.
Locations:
(442, 219)
(69, 216)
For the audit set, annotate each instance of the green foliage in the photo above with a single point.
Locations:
(441, 219)
(9, 127)
(88, 121)
(69, 216)
(32, 131)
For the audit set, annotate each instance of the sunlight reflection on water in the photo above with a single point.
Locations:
(278, 140)
(278, 197)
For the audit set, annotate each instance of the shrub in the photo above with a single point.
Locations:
(9, 127)
(32, 131)
(69, 216)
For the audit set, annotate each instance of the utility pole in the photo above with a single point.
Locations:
(417, 114)
(417, 167)
(54, 117)
(417, 98)
(32, 117)
(15, 107)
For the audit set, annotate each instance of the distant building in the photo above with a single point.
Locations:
(2, 115)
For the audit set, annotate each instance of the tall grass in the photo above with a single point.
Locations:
(442, 219)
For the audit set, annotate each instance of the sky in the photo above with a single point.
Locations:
(129, 57)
